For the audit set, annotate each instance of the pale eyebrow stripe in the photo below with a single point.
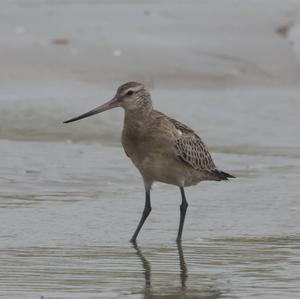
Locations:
(136, 88)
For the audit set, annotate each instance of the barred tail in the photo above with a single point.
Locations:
(219, 175)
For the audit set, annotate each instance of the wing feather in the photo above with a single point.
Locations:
(191, 149)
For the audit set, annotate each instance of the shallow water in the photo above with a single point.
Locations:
(68, 210)
(219, 268)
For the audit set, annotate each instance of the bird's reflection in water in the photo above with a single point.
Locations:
(183, 268)
(183, 291)
(146, 266)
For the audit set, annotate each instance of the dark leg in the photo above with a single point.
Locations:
(183, 208)
(145, 214)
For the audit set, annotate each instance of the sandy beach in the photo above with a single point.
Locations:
(201, 44)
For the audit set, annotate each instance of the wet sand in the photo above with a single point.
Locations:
(202, 44)
(69, 197)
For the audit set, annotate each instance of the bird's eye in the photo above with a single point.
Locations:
(129, 92)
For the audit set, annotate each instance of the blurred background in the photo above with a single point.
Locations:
(69, 197)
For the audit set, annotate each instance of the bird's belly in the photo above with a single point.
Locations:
(159, 162)
(167, 169)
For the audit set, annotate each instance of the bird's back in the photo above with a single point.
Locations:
(192, 151)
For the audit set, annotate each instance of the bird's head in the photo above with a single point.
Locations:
(131, 96)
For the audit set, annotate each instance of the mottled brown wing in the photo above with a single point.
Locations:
(191, 149)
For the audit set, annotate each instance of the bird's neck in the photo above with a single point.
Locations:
(137, 118)
(140, 112)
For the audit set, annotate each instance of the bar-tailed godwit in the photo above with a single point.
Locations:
(162, 148)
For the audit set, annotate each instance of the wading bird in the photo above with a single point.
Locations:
(162, 148)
